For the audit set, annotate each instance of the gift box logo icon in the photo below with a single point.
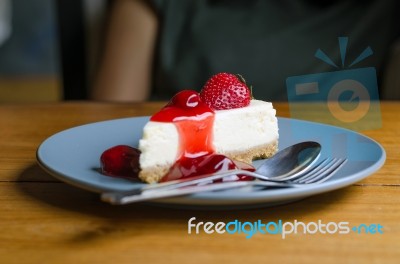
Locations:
(345, 97)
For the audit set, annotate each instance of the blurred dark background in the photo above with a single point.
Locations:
(47, 45)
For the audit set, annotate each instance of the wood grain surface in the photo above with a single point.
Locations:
(43, 220)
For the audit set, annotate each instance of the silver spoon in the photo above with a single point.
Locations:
(285, 165)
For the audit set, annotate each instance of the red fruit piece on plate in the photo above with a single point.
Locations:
(120, 161)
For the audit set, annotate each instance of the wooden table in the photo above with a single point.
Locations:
(30, 89)
(43, 220)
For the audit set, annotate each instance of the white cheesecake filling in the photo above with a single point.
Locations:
(244, 128)
(235, 130)
(159, 144)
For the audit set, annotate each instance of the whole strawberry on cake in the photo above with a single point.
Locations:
(220, 128)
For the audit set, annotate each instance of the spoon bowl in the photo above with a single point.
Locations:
(290, 160)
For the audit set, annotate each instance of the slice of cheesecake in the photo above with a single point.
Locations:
(191, 129)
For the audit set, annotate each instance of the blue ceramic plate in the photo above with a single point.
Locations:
(73, 157)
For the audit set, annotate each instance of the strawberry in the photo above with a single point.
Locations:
(120, 161)
(225, 91)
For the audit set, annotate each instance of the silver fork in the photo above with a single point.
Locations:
(318, 174)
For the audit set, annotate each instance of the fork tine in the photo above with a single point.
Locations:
(295, 175)
(317, 170)
(309, 172)
(324, 173)
(329, 174)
